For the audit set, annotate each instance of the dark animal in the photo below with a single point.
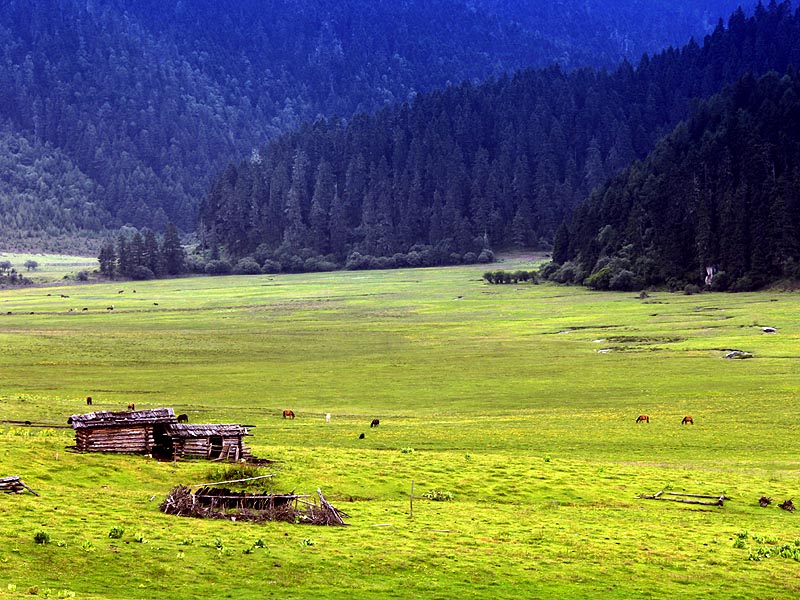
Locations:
(183, 418)
(110, 307)
(641, 418)
(131, 406)
(121, 291)
(288, 414)
(155, 303)
(375, 423)
(84, 308)
(362, 436)
(687, 419)
(88, 400)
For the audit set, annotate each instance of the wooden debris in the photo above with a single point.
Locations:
(223, 503)
(14, 485)
(716, 500)
(787, 505)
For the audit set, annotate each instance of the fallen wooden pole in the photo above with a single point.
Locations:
(235, 480)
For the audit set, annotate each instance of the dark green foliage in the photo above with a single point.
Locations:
(502, 165)
(511, 277)
(138, 255)
(722, 191)
(122, 112)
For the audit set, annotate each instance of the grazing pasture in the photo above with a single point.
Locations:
(511, 408)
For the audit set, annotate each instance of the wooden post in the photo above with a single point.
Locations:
(411, 502)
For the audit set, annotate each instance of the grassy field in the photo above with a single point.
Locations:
(519, 400)
(51, 267)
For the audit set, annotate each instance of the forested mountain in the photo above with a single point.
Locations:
(721, 191)
(145, 102)
(460, 170)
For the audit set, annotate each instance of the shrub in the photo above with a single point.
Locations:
(218, 267)
(247, 266)
(438, 495)
(140, 273)
(82, 275)
(41, 537)
(470, 258)
(601, 280)
(691, 289)
(486, 256)
(116, 533)
(271, 266)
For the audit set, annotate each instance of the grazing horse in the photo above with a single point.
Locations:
(183, 418)
(687, 419)
(88, 400)
(362, 436)
(641, 418)
(375, 423)
(288, 414)
(327, 417)
(131, 406)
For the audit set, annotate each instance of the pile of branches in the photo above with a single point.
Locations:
(291, 508)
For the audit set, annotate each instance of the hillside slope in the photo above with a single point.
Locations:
(721, 191)
(149, 100)
(498, 165)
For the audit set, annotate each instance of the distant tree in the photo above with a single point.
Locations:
(5, 266)
(107, 260)
(173, 255)
(31, 265)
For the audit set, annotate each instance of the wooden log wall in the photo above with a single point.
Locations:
(115, 439)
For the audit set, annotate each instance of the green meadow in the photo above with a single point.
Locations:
(516, 403)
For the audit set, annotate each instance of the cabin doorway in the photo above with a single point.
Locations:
(163, 447)
(215, 447)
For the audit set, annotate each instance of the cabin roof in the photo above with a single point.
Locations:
(127, 418)
(180, 430)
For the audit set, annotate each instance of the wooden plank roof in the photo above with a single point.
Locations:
(180, 430)
(125, 418)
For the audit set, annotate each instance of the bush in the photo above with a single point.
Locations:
(116, 533)
(247, 266)
(82, 275)
(318, 263)
(140, 273)
(547, 270)
(624, 281)
(721, 282)
(601, 280)
(195, 264)
(218, 267)
(438, 495)
(41, 537)
(486, 256)
(470, 258)
(691, 289)
(271, 267)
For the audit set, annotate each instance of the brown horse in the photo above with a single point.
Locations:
(375, 423)
(288, 414)
(88, 400)
(687, 419)
(183, 418)
(641, 418)
(131, 406)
